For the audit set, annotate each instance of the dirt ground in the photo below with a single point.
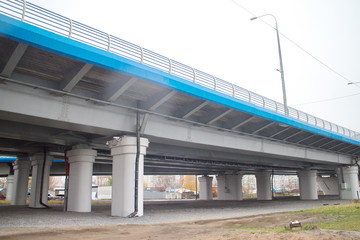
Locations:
(199, 230)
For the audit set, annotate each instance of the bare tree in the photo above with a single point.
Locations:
(56, 181)
(102, 180)
(165, 182)
(3, 182)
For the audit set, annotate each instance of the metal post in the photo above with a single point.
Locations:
(281, 63)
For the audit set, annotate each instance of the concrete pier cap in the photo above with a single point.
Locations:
(125, 145)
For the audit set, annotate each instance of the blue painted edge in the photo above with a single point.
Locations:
(13, 159)
(48, 41)
(7, 159)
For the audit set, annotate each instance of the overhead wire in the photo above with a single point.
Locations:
(326, 100)
(298, 46)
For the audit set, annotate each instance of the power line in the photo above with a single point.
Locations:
(325, 100)
(298, 46)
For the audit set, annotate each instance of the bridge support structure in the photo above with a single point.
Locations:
(205, 188)
(10, 187)
(40, 177)
(329, 185)
(230, 187)
(124, 192)
(21, 180)
(349, 182)
(307, 184)
(81, 159)
(263, 185)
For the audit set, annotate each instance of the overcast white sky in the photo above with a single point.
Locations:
(217, 37)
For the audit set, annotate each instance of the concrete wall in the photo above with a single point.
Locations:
(104, 193)
(329, 185)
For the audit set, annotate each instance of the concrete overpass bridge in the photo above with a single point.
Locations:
(69, 91)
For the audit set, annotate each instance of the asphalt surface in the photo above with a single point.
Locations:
(154, 212)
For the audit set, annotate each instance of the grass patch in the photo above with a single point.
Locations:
(55, 202)
(4, 202)
(345, 217)
(345, 223)
(344, 209)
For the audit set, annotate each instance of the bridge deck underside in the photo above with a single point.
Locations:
(42, 70)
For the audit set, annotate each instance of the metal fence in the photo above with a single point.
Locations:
(45, 19)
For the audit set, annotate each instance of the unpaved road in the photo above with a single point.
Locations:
(197, 230)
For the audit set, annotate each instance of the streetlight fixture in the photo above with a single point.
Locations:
(350, 83)
(280, 59)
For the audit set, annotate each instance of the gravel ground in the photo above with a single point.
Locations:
(154, 212)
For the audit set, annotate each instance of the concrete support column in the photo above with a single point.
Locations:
(10, 187)
(307, 184)
(39, 179)
(349, 182)
(123, 151)
(21, 180)
(230, 187)
(263, 185)
(205, 188)
(81, 159)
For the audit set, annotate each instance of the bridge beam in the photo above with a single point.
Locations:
(74, 76)
(193, 108)
(115, 90)
(152, 103)
(14, 60)
(124, 190)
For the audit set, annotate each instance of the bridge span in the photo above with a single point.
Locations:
(69, 91)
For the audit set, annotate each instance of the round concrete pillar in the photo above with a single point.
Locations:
(205, 188)
(308, 185)
(263, 185)
(10, 187)
(350, 188)
(123, 151)
(37, 177)
(80, 179)
(21, 180)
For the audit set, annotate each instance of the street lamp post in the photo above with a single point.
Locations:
(280, 59)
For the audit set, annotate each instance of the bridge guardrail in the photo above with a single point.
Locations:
(51, 21)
